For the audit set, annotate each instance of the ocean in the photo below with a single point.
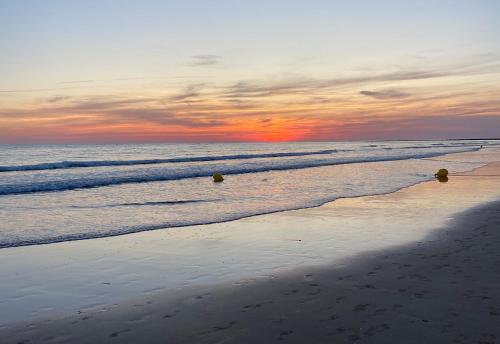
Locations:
(54, 193)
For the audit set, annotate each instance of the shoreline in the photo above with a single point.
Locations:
(107, 236)
(319, 204)
(445, 288)
(108, 272)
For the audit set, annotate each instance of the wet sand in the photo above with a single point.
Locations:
(444, 288)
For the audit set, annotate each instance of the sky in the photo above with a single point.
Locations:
(99, 71)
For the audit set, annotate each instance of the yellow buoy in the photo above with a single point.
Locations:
(442, 173)
(218, 177)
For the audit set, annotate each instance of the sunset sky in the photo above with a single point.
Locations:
(197, 71)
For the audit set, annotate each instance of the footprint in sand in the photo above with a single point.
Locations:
(257, 305)
(363, 307)
(115, 334)
(284, 334)
(313, 293)
(379, 311)
(377, 329)
(224, 327)
(293, 291)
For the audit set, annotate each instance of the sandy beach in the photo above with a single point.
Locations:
(441, 287)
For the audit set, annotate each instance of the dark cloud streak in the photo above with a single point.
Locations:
(302, 85)
(385, 94)
(57, 98)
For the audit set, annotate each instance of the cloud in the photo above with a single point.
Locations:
(305, 85)
(266, 122)
(248, 89)
(102, 103)
(184, 96)
(76, 82)
(162, 117)
(34, 90)
(192, 91)
(205, 60)
(57, 98)
(385, 94)
(109, 111)
(431, 127)
(435, 126)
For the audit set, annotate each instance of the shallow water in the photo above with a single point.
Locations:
(60, 193)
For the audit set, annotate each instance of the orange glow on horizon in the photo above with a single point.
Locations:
(264, 118)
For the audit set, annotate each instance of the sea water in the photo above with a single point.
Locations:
(53, 193)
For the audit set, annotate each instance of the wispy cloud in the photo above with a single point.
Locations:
(303, 84)
(160, 116)
(57, 98)
(101, 104)
(433, 127)
(34, 90)
(385, 94)
(76, 82)
(205, 60)
(109, 111)
(191, 91)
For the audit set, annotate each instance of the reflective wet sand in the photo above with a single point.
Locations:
(60, 279)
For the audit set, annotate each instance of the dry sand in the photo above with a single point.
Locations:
(443, 289)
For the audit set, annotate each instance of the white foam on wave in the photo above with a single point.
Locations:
(164, 174)
(101, 163)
